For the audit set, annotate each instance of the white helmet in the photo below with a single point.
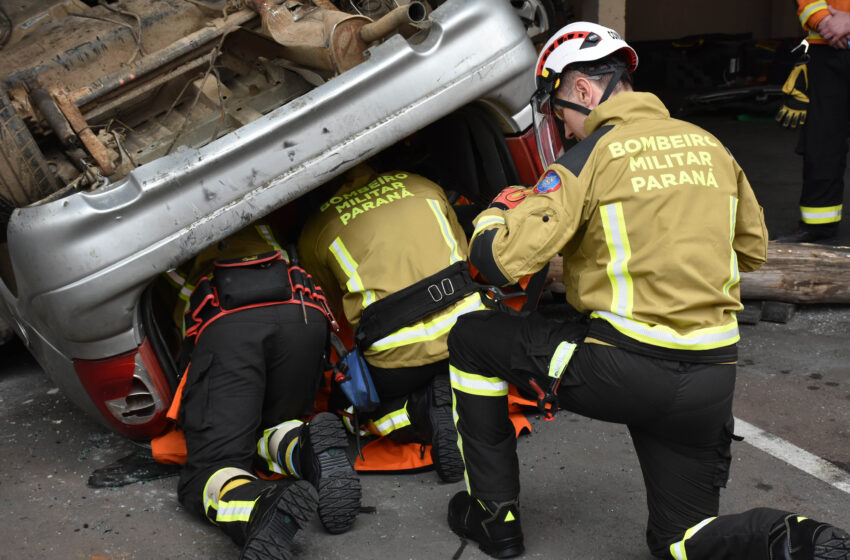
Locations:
(578, 42)
(581, 41)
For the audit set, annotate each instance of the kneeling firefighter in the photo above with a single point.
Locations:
(388, 248)
(651, 263)
(256, 334)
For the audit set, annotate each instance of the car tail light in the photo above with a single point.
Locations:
(130, 391)
(523, 149)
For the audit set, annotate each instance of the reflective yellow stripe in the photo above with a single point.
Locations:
(821, 215)
(266, 233)
(446, 230)
(811, 9)
(486, 222)
(560, 359)
(477, 384)
(349, 268)
(179, 281)
(677, 549)
(659, 335)
(270, 440)
(622, 301)
(439, 325)
(734, 275)
(237, 510)
(212, 489)
(393, 421)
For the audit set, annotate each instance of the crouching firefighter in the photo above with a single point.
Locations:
(389, 250)
(256, 332)
(651, 263)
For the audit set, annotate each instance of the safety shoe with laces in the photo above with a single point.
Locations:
(325, 464)
(495, 526)
(445, 453)
(799, 538)
(280, 510)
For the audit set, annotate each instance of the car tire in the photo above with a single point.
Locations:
(24, 175)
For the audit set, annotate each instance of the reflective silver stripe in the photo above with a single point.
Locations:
(237, 510)
(212, 489)
(474, 384)
(811, 9)
(677, 549)
(734, 274)
(349, 268)
(620, 252)
(436, 327)
(486, 222)
(560, 359)
(268, 444)
(392, 421)
(446, 230)
(701, 339)
(821, 215)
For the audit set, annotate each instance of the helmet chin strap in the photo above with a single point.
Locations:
(617, 72)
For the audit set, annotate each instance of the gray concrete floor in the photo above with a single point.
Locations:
(582, 495)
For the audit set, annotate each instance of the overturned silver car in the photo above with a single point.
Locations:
(137, 132)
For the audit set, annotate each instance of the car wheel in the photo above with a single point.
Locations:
(24, 175)
(537, 15)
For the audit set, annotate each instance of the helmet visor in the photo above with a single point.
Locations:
(548, 133)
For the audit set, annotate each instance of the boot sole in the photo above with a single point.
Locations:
(832, 543)
(272, 539)
(333, 475)
(444, 450)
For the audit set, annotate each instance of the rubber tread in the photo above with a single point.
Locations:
(330, 471)
(445, 453)
(832, 543)
(24, 175)
(272, 538)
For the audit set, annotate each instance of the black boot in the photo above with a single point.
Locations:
(810, 233)
(798, 538)
(495, 526)
(444, 449)
(323, 442)
(280, 510)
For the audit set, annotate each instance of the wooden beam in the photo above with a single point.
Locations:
(800, 273)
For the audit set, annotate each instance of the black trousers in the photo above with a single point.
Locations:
(679, 415)
(249, 371)
(826, 130)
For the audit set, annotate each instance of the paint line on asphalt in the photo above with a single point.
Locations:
(793, 455)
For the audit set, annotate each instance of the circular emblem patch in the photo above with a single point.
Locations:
(548, 183)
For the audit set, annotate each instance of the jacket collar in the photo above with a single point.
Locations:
(626, 107)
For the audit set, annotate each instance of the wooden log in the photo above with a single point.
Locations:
(800, 273)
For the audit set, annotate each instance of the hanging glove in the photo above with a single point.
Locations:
(792, 113)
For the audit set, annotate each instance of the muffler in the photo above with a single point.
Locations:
(326, 39)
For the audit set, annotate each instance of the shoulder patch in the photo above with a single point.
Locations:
(550, 182)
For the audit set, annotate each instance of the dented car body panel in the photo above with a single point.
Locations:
(82, 262)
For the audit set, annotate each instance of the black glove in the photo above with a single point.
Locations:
(795, 102)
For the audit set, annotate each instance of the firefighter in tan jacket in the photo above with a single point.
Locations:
(654, 219)
(378, 237)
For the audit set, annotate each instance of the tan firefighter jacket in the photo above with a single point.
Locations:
(376, 235)
(654, 219)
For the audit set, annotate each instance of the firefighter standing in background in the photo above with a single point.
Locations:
(257, 358)
(824, 135)
(378, 235)
(654, 220)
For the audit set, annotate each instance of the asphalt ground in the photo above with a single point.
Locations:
(582, 492)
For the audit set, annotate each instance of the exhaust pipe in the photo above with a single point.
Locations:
(329, 40)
